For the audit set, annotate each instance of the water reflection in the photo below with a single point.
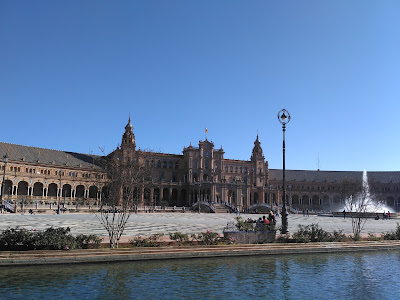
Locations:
(320, 276)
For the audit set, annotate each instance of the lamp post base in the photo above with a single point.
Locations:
(284, 229)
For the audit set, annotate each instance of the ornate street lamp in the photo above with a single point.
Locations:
(5, 160)
(284, 118)
(59, 195)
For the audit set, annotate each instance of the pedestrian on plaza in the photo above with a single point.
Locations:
(307, 213)
(271, 218)
(344, 214)
(389, 214)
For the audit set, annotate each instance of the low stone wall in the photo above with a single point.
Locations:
(251, 237)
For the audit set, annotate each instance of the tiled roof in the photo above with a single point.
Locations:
(385, 177)
(47, 156)
(332, 176)
(314, 176)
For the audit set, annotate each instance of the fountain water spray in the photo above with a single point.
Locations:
(364, 202)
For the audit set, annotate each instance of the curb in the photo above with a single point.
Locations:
(26, 258)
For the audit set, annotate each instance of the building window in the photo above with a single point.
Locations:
(231, 169)
(158, 164)
(164, 164)
(176, 165)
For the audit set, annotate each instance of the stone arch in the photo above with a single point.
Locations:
(22, 188)
(305, 200)
(80, 191)
(165, 195)
(52, 190)
(255, 198)
(7, 187)
(183, 199)
(295, 201)
(325, 201)
(66, 190)
(174, 197)
(104, 191)
(315, 200)
(205, 177)
(336, 202)
(146, 196)
(195, 179)
(156, 196)
(93, 191)
(273, 198)
(38, 189)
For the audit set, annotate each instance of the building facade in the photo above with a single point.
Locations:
(200, 174)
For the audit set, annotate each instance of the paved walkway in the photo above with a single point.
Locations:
(150, 223)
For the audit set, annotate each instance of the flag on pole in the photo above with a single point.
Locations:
(206, 130)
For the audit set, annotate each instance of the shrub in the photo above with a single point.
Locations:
(337, 236)
(151, 241)
(312, 233)
(207, 238)
(180, 238)
(243, 225)
(393, 235)
(49, 239)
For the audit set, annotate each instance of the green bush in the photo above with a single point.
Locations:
(180, 238)
(207, 238)
(50, 239)
(243, 225)
(312, 233)
(151, 241)
(393, 235)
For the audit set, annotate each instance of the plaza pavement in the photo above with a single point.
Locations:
(151, 223)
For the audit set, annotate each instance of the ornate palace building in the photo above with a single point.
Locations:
(202, 173)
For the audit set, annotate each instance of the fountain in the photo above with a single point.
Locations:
(364, 204)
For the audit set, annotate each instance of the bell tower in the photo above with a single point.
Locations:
(128, 144)
(258, 165)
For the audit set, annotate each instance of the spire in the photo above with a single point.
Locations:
(128, 137)
(129, 126)
(257, 146)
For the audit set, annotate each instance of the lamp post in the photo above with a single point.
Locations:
(59, 195)
(5, 160)
(284, 118)
(199, 195)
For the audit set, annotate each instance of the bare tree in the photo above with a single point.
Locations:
(358, 202)
(126, 178)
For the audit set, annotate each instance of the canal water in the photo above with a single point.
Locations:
(362, 275)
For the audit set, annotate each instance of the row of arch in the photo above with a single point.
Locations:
(38, 189)
(179, 196)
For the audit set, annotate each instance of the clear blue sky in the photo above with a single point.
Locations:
(72, 71)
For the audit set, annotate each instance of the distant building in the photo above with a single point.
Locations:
(199, 173)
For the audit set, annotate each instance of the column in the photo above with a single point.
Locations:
(152, 196)
(141, 195)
